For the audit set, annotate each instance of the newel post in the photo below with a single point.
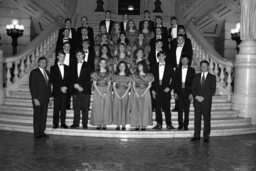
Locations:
(2, 92)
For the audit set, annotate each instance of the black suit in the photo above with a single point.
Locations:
(103, 22)
(81, 100)
(152, 58)
(186, 50)
(73, 32)
(79, 38)
(40, 89)
(183, 90)
(162, 100)
(164, 39)
(59, 97)
(90, 32)
(122, 29)
(91, 58)
(150, 25)
(207, 90)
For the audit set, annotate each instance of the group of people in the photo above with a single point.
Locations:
(131, 73)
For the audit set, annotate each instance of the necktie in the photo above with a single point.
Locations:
(203, 80)
(45, 77)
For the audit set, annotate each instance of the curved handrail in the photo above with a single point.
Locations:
(207, 47)
(33, 45)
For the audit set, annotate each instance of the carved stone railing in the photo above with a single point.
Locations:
(202, 50)
(18, 66)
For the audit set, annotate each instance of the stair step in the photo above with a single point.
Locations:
(149, 133)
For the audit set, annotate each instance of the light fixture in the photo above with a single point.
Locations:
(130, 8)
(15, 31)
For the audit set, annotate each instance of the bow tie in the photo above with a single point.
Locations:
(180, 45)
(161, 64)
(86, 51)
(159, 37)
(79, 62)
(61, 64)
(184, 67)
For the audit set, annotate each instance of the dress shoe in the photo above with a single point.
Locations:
(195, 139)
(123, 128)
(64, 126)
(179, 128)
(158, 126)
(74, 126)
(117, 128)
(44, 135)
(175, 109)
(104, 127)
(137, 128)
(186, 128)
(98, 127)
(85, 127)
(55, 126)
(169, 127)
(206, 141)
(143, 128)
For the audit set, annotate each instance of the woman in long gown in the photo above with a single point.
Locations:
(132, 32)
(141, 108)
(146, 31)
(101, 107)
(121, 85)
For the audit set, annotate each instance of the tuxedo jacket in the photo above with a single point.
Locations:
(150, 25)
(188, 81)
(84, 80)
(73, 32)
(186, 50)
(91, 58)
(152, 57)
(207, 90)
(79, 41)
(72, 57)
(170, 32)
(103, 22)
(57, 81)
(164, 32)
(152, 43)
(122, 26)
(60, 43)
(39, 89)
(167, 80)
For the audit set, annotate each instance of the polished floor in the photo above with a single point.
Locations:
(20, 151)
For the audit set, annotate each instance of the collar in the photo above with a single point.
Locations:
(60, 64)
(185, 67)
(180, 45)
(162, 64)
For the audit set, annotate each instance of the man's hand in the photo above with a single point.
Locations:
(80, 89)
(36, 101)
(63, 89)
(166, 90)
(199, 98)
(76, 86)
(154, 94)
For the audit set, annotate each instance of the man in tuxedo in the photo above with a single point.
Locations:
(124, 23)
(81, 89)
(159, 35)
(184, 77)
(159, 23)
(161, 89)
(173, 31)
(72, 31)
(150, 22)
(65, 39)
(182, 31)
(60, 79)
(89, 54)
(107, 22)
(84, 24)
(203, 88)
(180, 48)
(84, 35)
(40, 89)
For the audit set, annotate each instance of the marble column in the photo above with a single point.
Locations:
(2, 92)
(244, 96)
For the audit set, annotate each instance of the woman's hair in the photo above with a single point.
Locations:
(118, 48)
(145, 67)
(108, 53)
(98, 68)
(126, 39)
(126, 71)
(134, 25)
(136, 51)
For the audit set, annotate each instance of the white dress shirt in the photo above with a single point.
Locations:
(178, 53)
(107, 25)
(61, 67)
(67, 58)
(79, 66)
(86, 55)
(205, 75)
(44, 74)
(70, 34)
(174, 32)
(161, 71)
(157, 60)
(184, 73)
(125, 24)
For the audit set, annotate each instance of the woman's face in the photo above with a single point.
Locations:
(122, 37)
(102, 64)
(121, 48)
(141, 36)
(103, 29)
(139, 54)
(104, 50)
(145, 24)
(131, 24)
(140, 67)
(122, 67)
(104, 38)
(84, 32)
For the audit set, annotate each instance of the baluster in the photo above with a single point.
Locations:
(199, 53)
(229, 79)
(52, 39)
(37, 54)
(222, 75)
(28, 64)
(44, 47)
(8, 74)
(211, 67)
(48, 44)
(203, 55)
(33, 58)
(216, 71)
(41, 50)
(16, 72)
(22, 68)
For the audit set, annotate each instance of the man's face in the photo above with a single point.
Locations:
(66, 47)
(161, 58)
(79, 56)
(173, 22)
(146, 15)
(61, 58)
(159, 45)
(85, 45)
(68, 24)
(108, 15)
(42, 64)
(125, 17)
(158, 32)
(204, 67)
(84, 32)
(181, 31)
(66, 33)
(180, 40)
(184, 61)
(84, 21)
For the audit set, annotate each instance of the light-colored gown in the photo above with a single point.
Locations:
(120, 106)
(141, 107)
(101, 107)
